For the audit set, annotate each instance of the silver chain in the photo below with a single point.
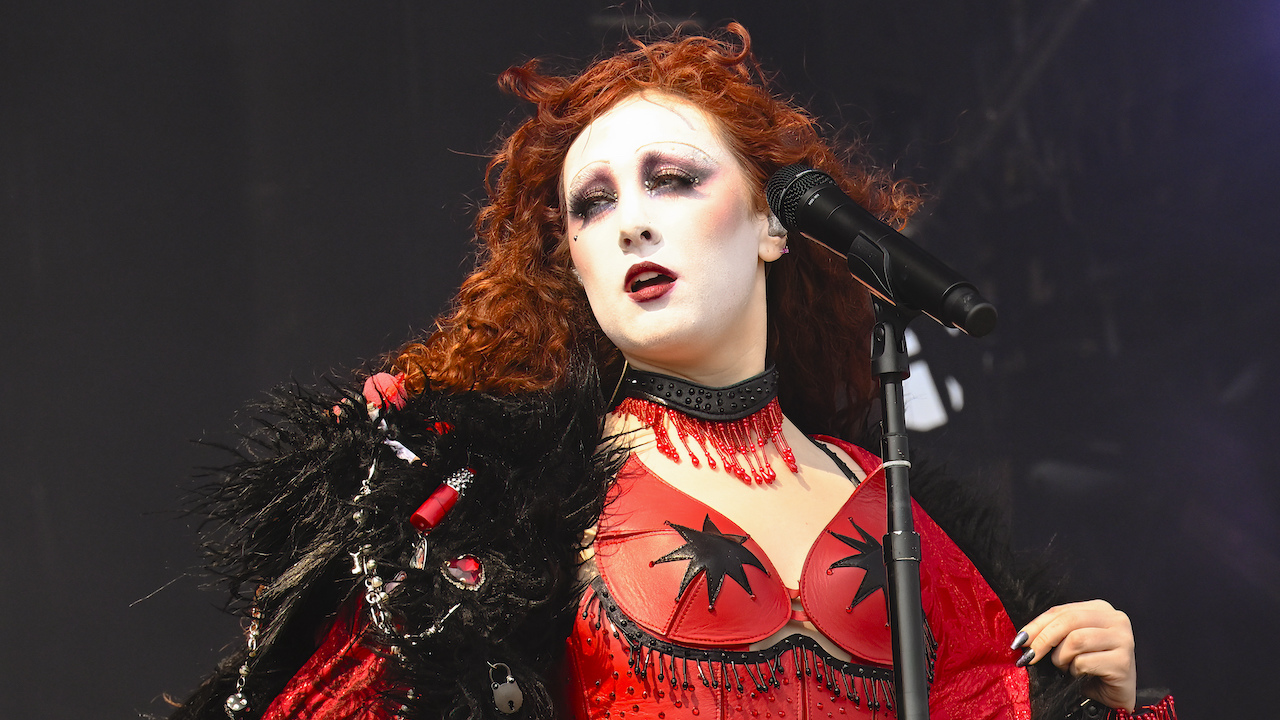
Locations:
(237, 702)
(363, 564)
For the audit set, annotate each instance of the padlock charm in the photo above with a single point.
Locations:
(506, 692)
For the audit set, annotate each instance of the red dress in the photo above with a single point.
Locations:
(666, 631)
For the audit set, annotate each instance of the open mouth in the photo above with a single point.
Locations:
(649, 281)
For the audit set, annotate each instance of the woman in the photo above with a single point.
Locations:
(580, 494)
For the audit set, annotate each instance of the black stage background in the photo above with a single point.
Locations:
(203, 200)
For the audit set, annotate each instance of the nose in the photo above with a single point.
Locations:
(634, 223)
(629, 237)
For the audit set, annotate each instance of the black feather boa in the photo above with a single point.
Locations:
(280, 526)
(279, 530)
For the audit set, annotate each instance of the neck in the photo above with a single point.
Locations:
(709, 377)
(718, 370)
(735, 420)
(722, 403)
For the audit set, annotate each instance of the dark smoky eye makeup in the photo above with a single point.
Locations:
(586, 201)
(663, 170)
(668, 177)
(588, 192)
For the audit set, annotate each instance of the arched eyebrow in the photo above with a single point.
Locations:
(675, 148)
(592, 173)
(650, 155)
(695, 162)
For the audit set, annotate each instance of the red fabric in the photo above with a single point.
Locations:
(975, 676)
(343, 680)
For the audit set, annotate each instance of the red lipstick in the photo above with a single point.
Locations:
(648, 281)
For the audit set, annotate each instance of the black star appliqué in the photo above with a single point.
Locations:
(870, 558)
(717, 553)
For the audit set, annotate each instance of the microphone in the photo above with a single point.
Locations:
(892, 267)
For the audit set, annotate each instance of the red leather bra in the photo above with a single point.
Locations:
(665, 631)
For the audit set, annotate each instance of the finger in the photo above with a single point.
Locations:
(1052, 627)
(1110, 666)
(1090, 641)
(1113, 679)
(1041, 621)
(1037, 624)
(1032, 630)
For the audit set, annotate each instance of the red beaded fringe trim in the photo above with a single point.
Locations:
(745, 437)
(1162, 710)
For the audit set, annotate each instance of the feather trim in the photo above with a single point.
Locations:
(280, 525)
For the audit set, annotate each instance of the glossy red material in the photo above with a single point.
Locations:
(634, 531)
(974, 674)
(343, 680)
(466, 569)
(433, 511)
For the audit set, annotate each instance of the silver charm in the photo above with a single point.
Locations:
(506, 692)
(236, 703)
(419, 559)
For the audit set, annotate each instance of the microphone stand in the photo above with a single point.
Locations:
(901, 543)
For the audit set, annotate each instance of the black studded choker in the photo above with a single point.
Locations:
(735, 421)
(722, 404)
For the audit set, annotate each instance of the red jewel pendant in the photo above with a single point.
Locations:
(465, 572)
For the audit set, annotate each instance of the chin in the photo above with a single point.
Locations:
(676, 353)
(676, 335)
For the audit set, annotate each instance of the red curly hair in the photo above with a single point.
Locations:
(521, 318)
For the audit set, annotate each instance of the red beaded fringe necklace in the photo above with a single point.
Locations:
(737, 420)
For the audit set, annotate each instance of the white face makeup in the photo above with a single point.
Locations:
(666, 241)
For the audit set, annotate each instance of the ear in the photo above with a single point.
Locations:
(773, 242)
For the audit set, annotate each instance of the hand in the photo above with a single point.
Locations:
(1089, 639)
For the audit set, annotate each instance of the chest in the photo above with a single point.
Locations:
(784, 518)
(687, 572)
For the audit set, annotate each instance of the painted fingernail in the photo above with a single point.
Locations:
(1026, 658)
(1019, 640)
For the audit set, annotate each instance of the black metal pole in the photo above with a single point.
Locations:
(901, 543)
